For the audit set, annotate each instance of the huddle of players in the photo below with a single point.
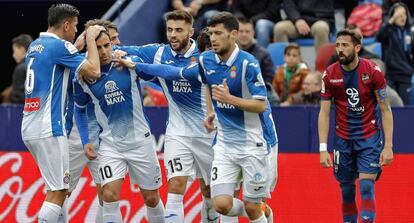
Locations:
(105, 101)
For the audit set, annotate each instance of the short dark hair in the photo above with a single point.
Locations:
(245, 20)
(105, 23)
(60, 12)
(355, 36)
(290, 47)
(110, 25)
(229, 21)
(203, 40)
(180, 15)
(22, 40)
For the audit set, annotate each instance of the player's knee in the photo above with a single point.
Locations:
(205, 190)
(222, 205)
(176, 185)
(151, 199)
(348, 192)
(252, 207)
(367, 188)
(110, 195)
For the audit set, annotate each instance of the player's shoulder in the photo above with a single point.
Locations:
(135, 59)
(208, 55)
(368, 66)
(332, 70)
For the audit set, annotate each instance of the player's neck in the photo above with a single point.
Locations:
(352, 65)
(55, 31)
(226, 56)
(186, 48)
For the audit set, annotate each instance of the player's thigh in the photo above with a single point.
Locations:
(255, 175)
(52, 157)
(143, 166)
(178, 157)
(77, 162)
(368, 154)
(224, 169)
(344, 162)
(112, 165)
(93, 166)
(203, 157)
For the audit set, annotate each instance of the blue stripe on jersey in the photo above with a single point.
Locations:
(354, 101)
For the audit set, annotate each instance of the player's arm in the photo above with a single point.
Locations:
(388, 126)
(323, 123)
(255, 85)
(91, 68)
(222, 94)
(209, 120)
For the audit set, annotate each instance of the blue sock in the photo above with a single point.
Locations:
(367, 200)
(349, 208)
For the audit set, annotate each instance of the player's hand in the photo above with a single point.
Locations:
(398, 12)
(80, 42)
(387, 156)
(221, 92)
(302, 27)
(209, 122)
(122, 62)
(90, 151)
(325, 159)
(194, 7)
(94, 31)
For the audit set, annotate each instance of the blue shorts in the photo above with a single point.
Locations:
(352, 157)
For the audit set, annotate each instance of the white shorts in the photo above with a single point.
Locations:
(141, 163)
(227, 169)
(52, 158)
(272, 168)
(188, 156)
(78, 161)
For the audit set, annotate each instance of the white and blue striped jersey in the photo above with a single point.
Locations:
(239, 131)
(118, 106)
(186, 98)
(49, 61)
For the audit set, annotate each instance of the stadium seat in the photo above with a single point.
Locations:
(377, 49)
(368, 40)
(276, 51)
(322, 57)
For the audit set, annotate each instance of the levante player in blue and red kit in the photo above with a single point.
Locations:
(363, 120)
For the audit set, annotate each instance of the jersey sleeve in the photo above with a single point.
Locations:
(141, 74)
(191, 72)
(254, 80)
(67, 55)
(81, 99)
(379, 83)
(325, 92)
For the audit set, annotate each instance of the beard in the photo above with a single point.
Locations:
(182, 44)
(346, 60)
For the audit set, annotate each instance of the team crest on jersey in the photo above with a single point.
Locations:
(233, 73)
(110, 87)
(193, 60)
(365, 78)
(257, 177)
(66, 177)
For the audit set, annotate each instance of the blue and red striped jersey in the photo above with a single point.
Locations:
(355, 95)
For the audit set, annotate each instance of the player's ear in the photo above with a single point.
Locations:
(235, 34)
(191, 32)
(65, 25)
(358, 48)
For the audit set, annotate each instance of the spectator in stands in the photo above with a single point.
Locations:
(387, 4)
(393, 97)
(289, 76)
(306, 18)
(264, 13)
(154, 97)
(201, 10)
(362, 53)
(15, 92)
(203, 41)
(397, 53)
(247, 43)
(310, 94)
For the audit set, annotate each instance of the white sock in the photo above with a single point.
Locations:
(111, 212)
(237, 209)
(157, 213)
(228, 219)
(99, 215)
(49, 212)
(174, 209)
(262, 219)
(63, 216)
(208, 214)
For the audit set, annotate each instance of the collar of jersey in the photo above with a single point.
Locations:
(232, 57)
(189, 52)
(48, 34)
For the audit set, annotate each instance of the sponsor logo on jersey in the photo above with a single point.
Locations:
(224, 105)
(31, 104)
(335, 81)
(210, 72)
(260, 82)
(181, 87)
(233, 73)
(38, 48)
(353, 100)
(71, 48)
(113, 95)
